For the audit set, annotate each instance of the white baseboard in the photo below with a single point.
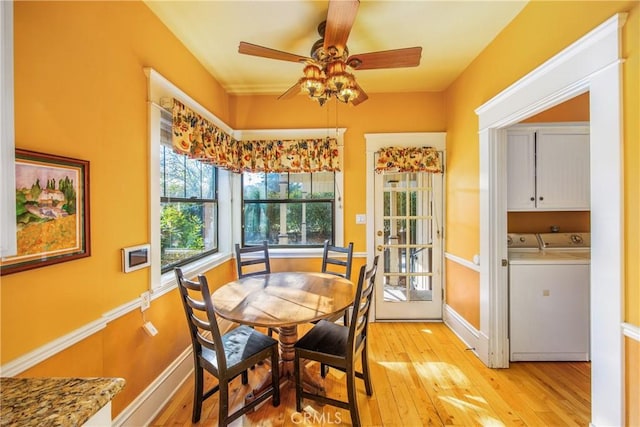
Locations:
(463, 329)
(144, 408)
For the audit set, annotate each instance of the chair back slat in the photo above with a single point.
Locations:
(250, 258)
(337, 259)
(358, 326)
(203, 325)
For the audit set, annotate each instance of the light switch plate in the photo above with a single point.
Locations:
(361, 218)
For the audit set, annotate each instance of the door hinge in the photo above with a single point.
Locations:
(505, 262)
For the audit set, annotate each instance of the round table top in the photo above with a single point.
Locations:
(283, 298)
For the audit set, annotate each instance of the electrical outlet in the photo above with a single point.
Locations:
(145, 302)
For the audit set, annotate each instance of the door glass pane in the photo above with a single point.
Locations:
(408, 264)
(395, 290)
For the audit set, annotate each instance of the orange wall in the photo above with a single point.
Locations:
(462, 292)
(539, 32)
(85, 97)
(573, 110)
(80, 92)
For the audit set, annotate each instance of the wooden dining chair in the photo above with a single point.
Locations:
(337, 260)
(223, 356)
(253, 260)
(339, 346)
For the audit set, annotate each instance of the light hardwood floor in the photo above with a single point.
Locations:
(422, 375)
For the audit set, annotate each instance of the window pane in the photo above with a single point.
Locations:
(187, 230)
(295, 217)
(261, 222)
(162, 171)
(307, 223)
(319, 222)
(299, 185)
(208, 181)
(323, 185)
(253, 187)
(174, 174)
(277, 186)
(193, 178)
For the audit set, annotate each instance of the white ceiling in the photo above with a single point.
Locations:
(451, 34)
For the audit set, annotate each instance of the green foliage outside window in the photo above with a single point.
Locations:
(297, 199)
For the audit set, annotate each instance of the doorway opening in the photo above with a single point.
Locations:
(593, 65)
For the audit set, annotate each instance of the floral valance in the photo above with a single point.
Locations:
(198, 138)
(412, 159)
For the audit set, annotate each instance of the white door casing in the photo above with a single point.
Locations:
(409, 223)
(592, 64)
(374, 142)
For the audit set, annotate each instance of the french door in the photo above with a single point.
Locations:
(408, 239)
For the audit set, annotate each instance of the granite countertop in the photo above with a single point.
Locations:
(54, 401)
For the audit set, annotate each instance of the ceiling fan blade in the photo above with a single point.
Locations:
(340, 19)
(396, 58)
(291, 92)
(265, 52)
(361, 97)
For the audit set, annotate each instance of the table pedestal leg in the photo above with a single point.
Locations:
(288, 336)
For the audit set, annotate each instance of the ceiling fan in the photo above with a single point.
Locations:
(326, 71)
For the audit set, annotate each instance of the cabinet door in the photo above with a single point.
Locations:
(521, 190)
(562, 180)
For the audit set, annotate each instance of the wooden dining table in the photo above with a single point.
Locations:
(282, 301)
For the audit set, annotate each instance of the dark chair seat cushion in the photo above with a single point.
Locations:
(239, 344)
(325, 337)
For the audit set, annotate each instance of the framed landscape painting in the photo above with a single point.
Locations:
(52, 211)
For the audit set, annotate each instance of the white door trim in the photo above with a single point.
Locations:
(376, 141)
(592, 64)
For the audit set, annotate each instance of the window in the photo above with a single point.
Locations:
(288, 209)
(189, 205)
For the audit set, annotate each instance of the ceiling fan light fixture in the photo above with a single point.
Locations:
(313, 82)
(321, 98)
(348, 93)
(337, 76)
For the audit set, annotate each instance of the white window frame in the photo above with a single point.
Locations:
(161, 91)
(285, 134)
(8, 242)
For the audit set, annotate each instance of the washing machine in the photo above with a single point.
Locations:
(549, 297)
